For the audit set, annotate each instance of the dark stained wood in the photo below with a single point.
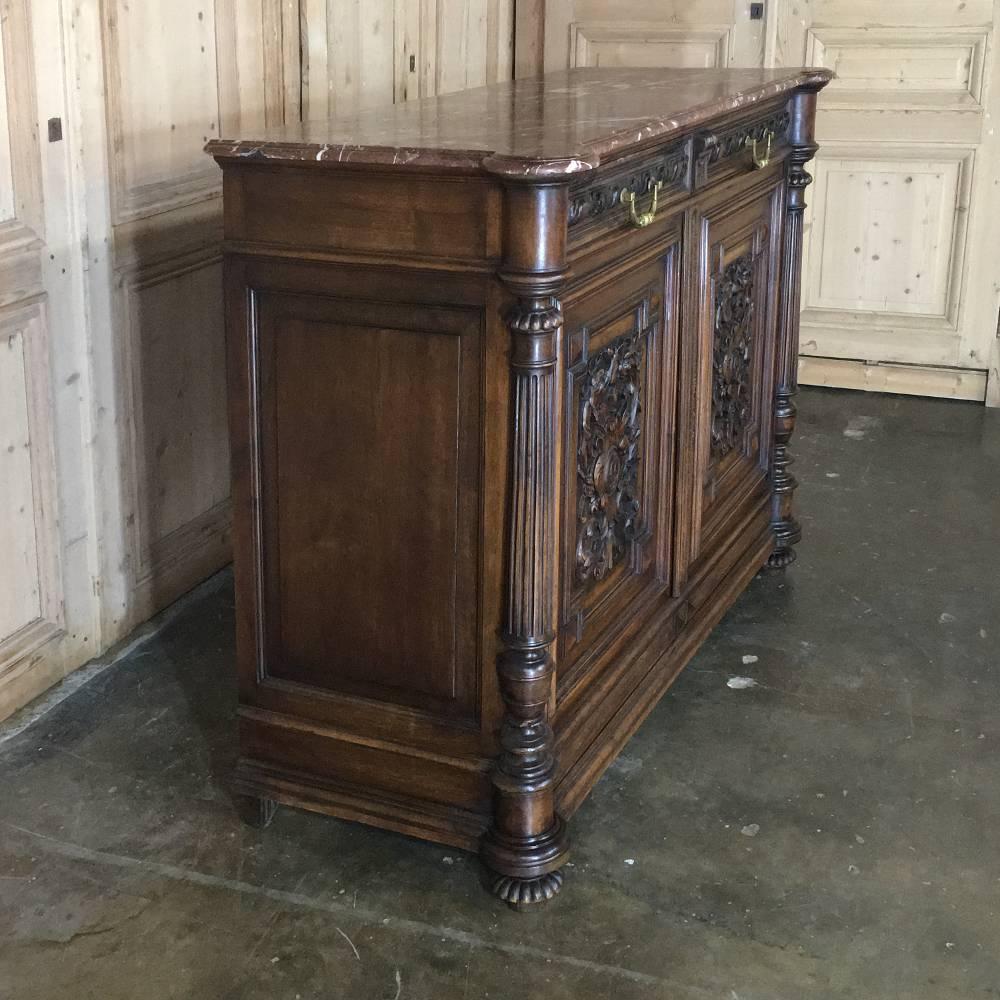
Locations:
(787, 531)
(501, 457)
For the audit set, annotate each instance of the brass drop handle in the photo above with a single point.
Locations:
(640, 219)
(761, 160)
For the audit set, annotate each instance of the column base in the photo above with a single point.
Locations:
(786, 535)
(525, 871)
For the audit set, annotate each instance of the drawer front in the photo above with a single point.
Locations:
(598, 211)
(620, 350)
(596, 208)
(745, 145)
(728, 361)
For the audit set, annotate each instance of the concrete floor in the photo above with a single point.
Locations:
(832, 830)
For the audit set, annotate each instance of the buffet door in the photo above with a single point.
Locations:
(670, 33)
(727, 369)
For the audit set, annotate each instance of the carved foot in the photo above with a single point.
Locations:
(786, 534)
(520, 893)
(255, 811)
(780, 558)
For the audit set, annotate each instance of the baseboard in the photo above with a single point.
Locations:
(907, 380)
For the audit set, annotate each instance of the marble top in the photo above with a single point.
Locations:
(557, 124)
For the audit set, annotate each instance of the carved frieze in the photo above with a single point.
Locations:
(732, 355)
(608, 457)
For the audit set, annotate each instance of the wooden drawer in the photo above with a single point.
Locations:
(683, 167)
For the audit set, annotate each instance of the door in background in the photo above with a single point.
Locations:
(47, 597)
(694, 33)
(901, 273)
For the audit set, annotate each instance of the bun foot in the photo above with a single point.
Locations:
(520, 893)
(255, 811)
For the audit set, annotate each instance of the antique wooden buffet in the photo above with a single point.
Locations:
(511, 382)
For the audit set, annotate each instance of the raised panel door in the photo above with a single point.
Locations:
(727, 365)
(368, 551)
(620, 352)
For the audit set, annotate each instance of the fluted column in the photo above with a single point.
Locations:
(787, 531)
(526, 843)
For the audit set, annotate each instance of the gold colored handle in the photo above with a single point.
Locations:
(761, 161)
(640, 219)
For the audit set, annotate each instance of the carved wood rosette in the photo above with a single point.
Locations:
(527, 842)
(787, 531)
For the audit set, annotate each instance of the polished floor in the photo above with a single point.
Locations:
(812, 811)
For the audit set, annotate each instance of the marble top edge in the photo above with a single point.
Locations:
(550, 126)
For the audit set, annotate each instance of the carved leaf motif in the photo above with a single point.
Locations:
(731, 361)
(608, 458)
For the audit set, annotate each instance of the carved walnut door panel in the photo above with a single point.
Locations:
(727, 382)
(620, 349)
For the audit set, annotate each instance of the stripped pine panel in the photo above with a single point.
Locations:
(909, 275)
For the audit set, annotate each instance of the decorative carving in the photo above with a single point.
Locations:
(732, 355)
(669, 170)
(607, 457)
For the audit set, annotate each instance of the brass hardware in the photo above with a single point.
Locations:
(640, 219)
(759, 161)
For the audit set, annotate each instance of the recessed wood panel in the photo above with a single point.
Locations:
(31, 592)
(888, 233)
(20, 599)
(176, 352)
(20, 177)
(921, 67)
(373, 545)
(627, 43)
(163, 101)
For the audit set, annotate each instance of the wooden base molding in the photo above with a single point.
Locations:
(907, 380)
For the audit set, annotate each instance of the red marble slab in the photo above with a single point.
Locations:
(558, 124)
